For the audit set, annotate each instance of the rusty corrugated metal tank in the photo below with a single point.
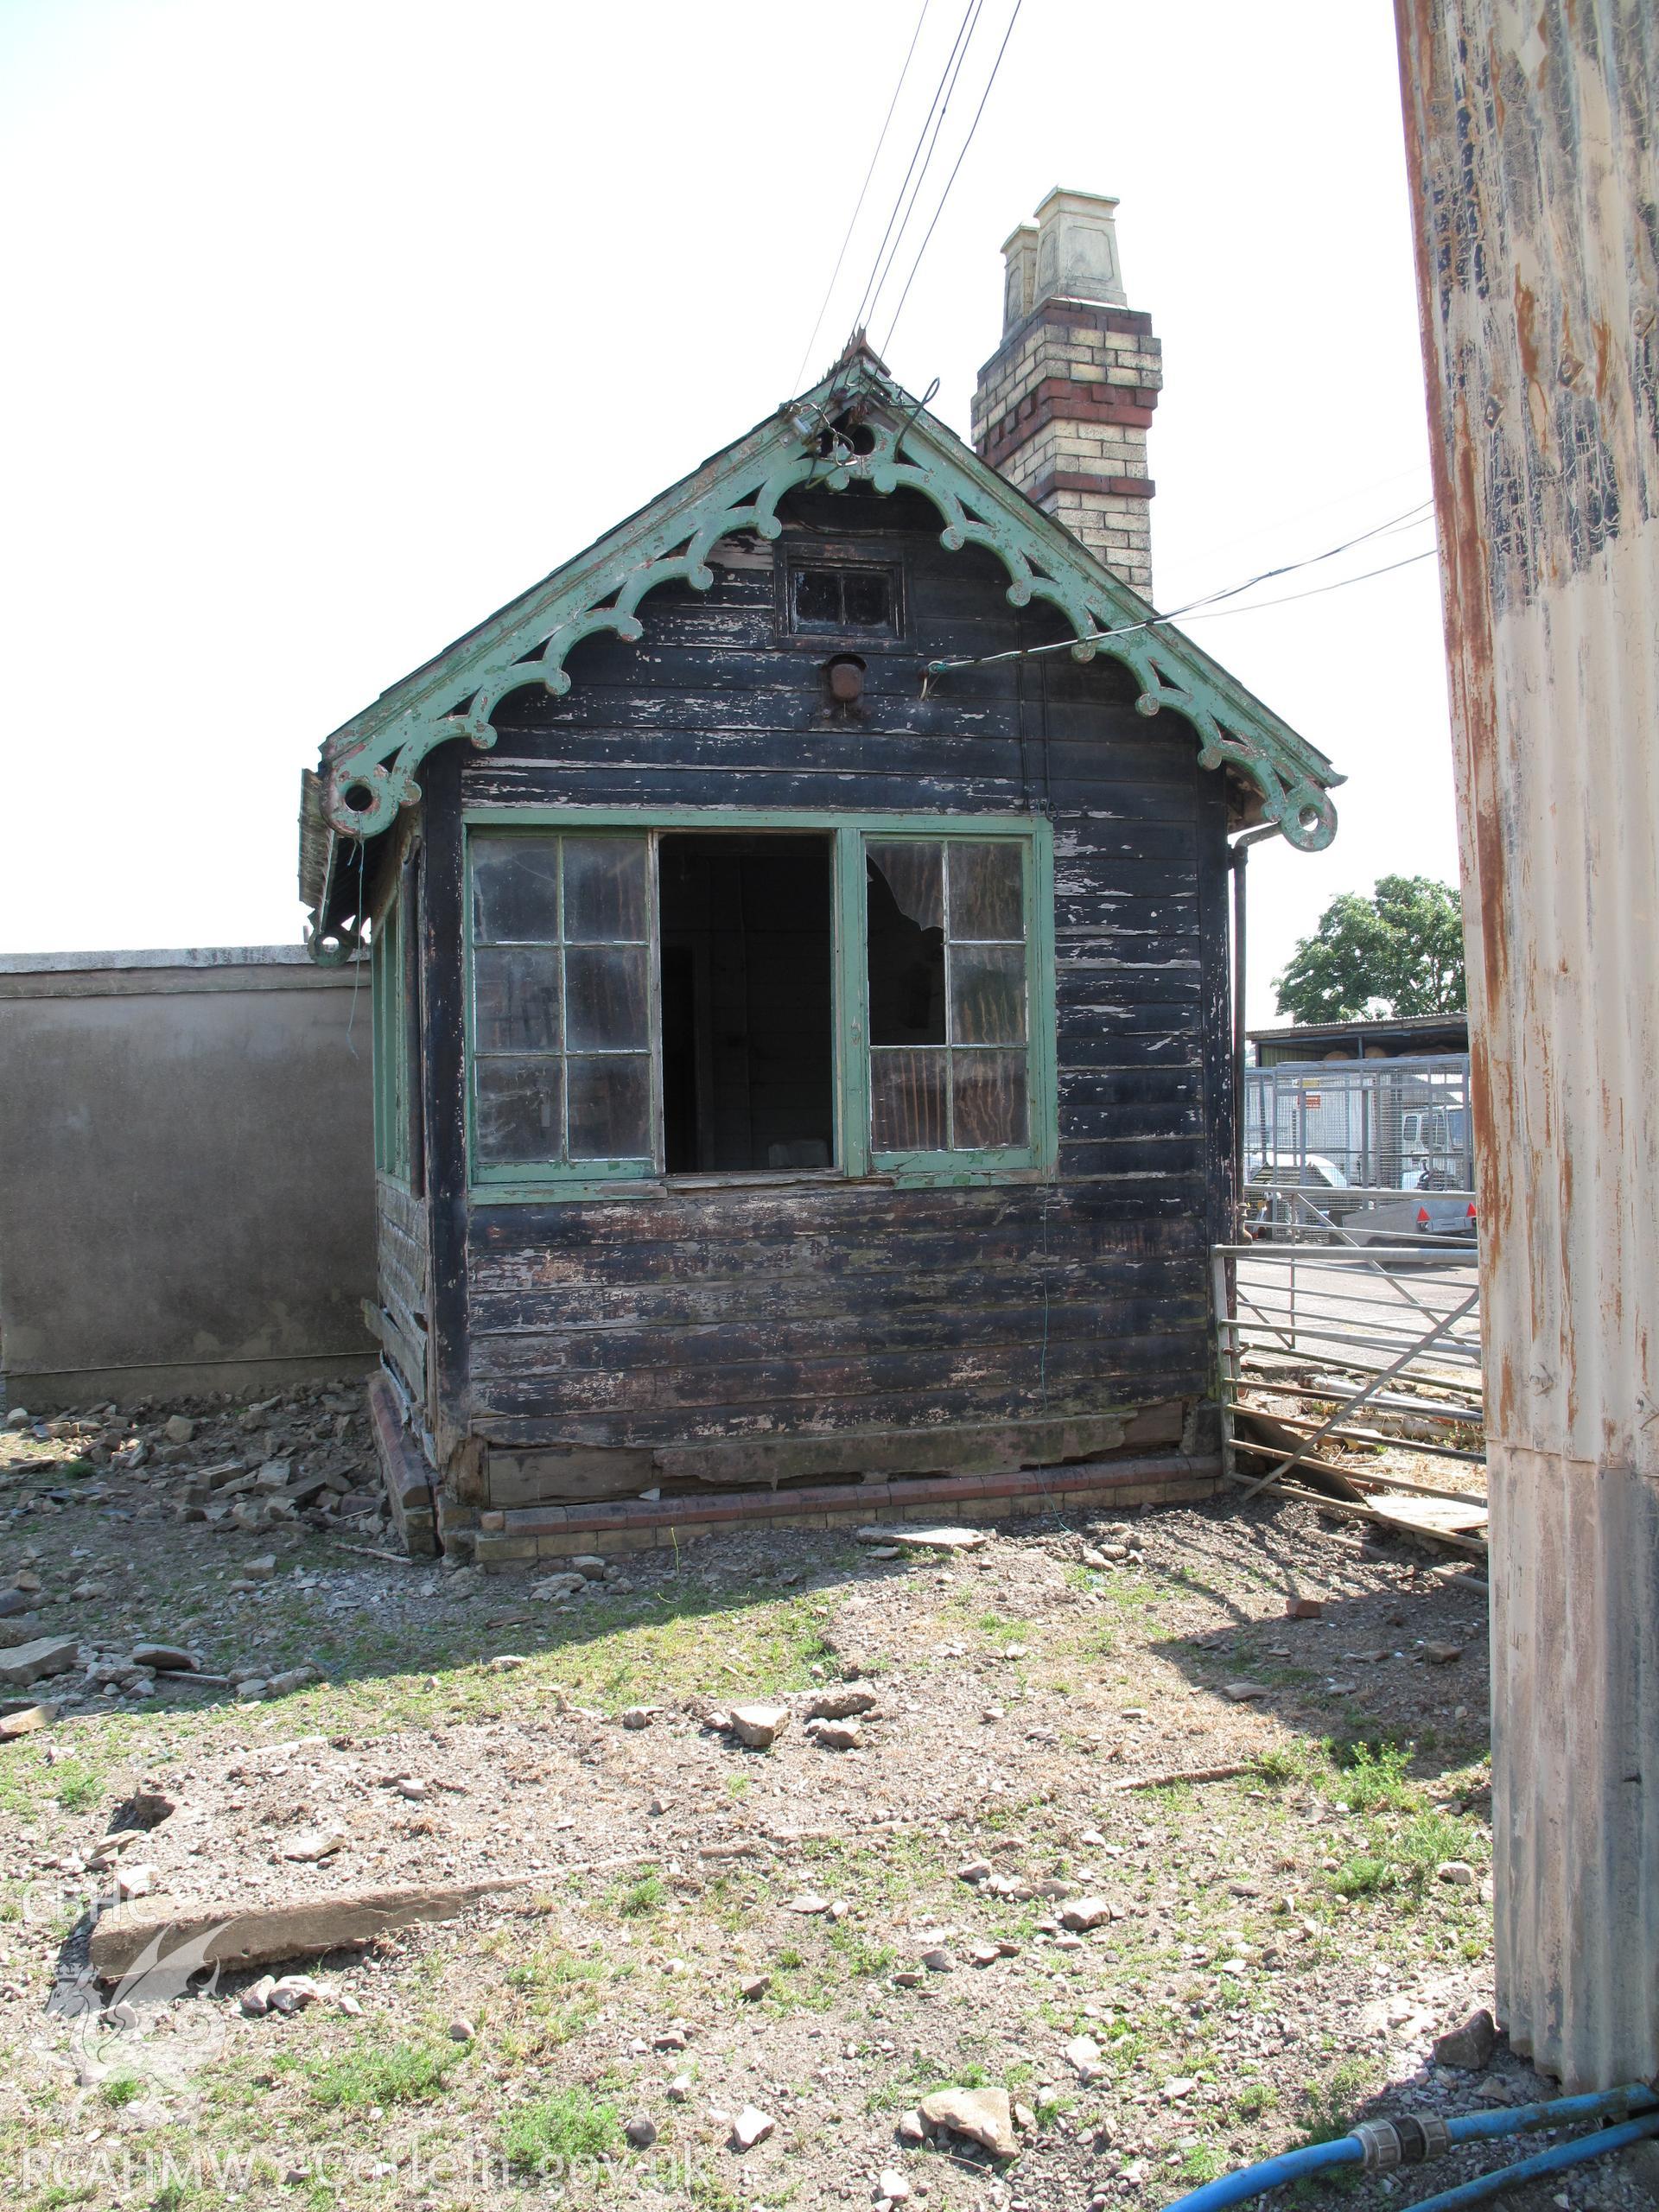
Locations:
(1530, 131)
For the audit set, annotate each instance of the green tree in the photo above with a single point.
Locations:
(1398, 953)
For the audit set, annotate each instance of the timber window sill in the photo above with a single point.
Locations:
(743, 1178)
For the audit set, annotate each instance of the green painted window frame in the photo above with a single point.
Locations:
(855, 1161)
(388, 978)
(569, 1176)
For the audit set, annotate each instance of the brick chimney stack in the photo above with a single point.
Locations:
(1065, 403)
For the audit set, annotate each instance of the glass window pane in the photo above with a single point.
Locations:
(907, 1102)
(519, 1111)
(988, 995)
(867, 598)
(516, 888)
(610, 1107)
(605, 1003)
(818, 596)
(910, 878)
(605, 901)
(986, 886)
(516, 999)
(989, 1099)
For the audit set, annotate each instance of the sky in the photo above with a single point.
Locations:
(332, 327)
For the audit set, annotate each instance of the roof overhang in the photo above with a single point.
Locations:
(370, 765)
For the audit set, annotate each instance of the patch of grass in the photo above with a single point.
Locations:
(908, 2085)
(1374, 1776)
(710, 2194)
(28, 1784)
(1174, 1798)
(1423, 1842)
(636, 1900)
(1254, 2099)
(563, 1988)
(1000, 1630)
(77, 1788)
(1361, 1876)
(121, 2089)
(561, 2127)
(789, 1957)
(860, 1955)
(1284, 1763)
(1330, 2107)
(402, 2072)
(1201, 2164)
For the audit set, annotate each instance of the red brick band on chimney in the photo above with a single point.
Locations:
(1059, 399)
(1072, 480)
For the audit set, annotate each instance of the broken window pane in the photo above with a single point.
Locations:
(914, 876)
(987, 892)
(904, 907)
(988, 995)
(606, 1006)
(907, 1102)
(987, 1100)
(520, 1111)
(605, 896)
(516, 889)
(610, 1107)
(516, 999)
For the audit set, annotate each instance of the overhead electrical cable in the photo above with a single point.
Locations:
(1214, 613)
(1409, 520)
(915, 155)
(858, 209)
(932, 122)
(1200, 610)
(1194, 607)
(951, 179)
(927, 162)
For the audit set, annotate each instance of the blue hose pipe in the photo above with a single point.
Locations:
(1363, 2148)
(1272, 2173)
(1571, 2153)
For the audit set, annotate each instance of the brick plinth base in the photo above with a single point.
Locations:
(508, 1540)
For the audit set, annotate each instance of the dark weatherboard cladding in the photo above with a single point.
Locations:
(798, 1069)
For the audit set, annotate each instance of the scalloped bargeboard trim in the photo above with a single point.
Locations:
(371, 766)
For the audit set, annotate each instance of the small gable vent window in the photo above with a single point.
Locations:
(844, 602)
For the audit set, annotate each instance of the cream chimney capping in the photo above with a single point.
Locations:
(1077, 250)
(1020, 285)
(1065, 404)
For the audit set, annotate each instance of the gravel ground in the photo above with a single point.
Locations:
(1271, 1956)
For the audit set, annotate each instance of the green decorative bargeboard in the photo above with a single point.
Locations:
(371, 765)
